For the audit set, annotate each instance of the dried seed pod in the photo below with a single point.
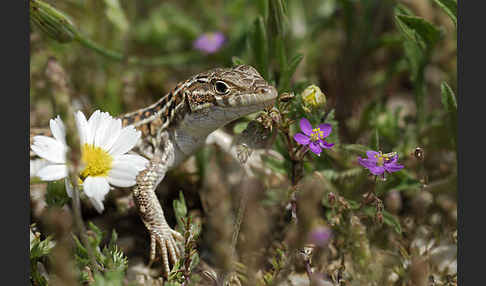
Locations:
(275, 115)
(419, 153)
(286, 97)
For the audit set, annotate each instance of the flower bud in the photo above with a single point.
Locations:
(313, 97)
(52, 22)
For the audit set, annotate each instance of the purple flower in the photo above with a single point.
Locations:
(378, 162)
(320, 236)
(313, 137)
(209, 42)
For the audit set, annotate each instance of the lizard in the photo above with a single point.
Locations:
(177, 125)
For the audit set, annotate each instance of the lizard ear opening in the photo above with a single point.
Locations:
(199, 101)
(200, 96)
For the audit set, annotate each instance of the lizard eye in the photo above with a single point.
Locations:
(221, 87)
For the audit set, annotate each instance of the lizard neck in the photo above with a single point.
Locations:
(192, 128)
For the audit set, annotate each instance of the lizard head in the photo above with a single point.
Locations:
(231, 92)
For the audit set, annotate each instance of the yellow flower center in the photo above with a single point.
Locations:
(380, 160)
(384, 158)
(316, 134)
(97, 161)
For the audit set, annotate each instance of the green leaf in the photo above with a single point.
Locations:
(450, 7)
(403, 10)
(448, 98)
(388, 218)
(276, 165)
(293, 64)
(180, 209)
(116, 15)
(194, 261)
(96, 239)
(450, 106)
(277, 17)
(355, 148)
(354, 205)
(240, 127)
(392, 221)
(56, 195)
(418, 30)
(237, 61)
(289, 71)
(260, 49)
(115, 259)
(202, 159)
(40, 248)
(108, 278)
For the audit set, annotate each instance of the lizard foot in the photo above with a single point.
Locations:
(166, 239)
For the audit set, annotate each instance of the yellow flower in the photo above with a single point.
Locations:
(313, 97)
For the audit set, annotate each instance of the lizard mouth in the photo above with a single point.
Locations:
(260, 97)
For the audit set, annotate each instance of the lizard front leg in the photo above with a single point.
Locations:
(151, 212)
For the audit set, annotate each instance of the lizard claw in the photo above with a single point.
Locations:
(166, 239)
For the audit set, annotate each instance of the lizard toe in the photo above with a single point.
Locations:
(165, 256)
(176, 235)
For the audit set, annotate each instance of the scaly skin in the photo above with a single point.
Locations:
(178, 124)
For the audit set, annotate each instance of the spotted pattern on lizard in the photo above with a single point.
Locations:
(175, 126)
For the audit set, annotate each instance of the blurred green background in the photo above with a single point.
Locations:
(388, 69)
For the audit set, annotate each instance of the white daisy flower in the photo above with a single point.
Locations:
(36, 165)
(104, 144)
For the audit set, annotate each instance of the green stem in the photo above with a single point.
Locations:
(99, 49)
(173, 59)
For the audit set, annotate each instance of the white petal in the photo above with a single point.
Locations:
(98, 125)
(36, 165)
(139, 162)
(98, 205)
(112, 132)
(49, 149)
(122, 174)
(122, 183)
(52, 172)
(92, 126)
(82, 125)
(126, 141)
(102, 134)
(58, 129)
(96, 189)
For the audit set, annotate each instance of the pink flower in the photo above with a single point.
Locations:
(320, 236)
(378, 162)
(209, 42)
(313, 137)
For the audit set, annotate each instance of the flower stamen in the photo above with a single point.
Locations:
(97, 161)
(316, 134)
